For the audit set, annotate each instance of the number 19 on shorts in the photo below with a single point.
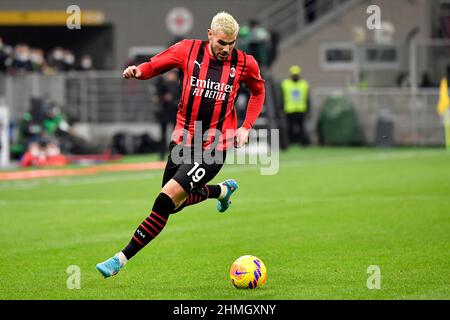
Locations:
(196, 173)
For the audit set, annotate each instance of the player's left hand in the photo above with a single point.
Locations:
(240, 137)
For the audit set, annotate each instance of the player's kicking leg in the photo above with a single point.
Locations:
(222, 192)
(155, 222)
(173, 198)
(229, 187)
(170, 197)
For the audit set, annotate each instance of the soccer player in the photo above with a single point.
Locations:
(211, 74)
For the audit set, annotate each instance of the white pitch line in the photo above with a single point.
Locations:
(64, 181)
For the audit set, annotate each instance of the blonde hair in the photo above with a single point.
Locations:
(225, 22)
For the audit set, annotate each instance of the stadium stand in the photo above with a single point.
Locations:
(394, 70)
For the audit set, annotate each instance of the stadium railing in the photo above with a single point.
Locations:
(104, 102)
(413, 116)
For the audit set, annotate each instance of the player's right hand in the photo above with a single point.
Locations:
(131, 72)
(241, 137)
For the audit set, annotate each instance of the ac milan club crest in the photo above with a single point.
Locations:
(232, 72)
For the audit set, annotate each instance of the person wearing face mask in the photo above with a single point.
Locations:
(85, 63)
(56, 59)
(68, 60)
(21, 62)
(297, 105)
(37, 60)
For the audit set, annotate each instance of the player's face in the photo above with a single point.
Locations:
(221, 44)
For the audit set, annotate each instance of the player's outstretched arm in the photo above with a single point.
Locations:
(132, 72)
(173, 57)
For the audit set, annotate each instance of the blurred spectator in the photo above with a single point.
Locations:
(68, 60)
(37, 60)
(56, 59)
(244, 34)
(426, 81)
(58, 128)
(3, 55)
(54, 122)
(85, 63)
(34, 156)
(297, 104)
(43, 154)
(310, 7)
(24, 59)
(403, 80)
(20, 61)
(257, 42)
(272, 47)
(31, 126)
(53, 155)
(45, 122)
(168, 92)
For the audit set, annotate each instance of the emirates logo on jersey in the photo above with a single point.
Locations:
(210, 89)
(232, 72)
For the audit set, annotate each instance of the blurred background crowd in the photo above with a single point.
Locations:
(331, 79)
(22, 58)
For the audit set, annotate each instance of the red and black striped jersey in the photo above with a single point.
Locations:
(209, 90)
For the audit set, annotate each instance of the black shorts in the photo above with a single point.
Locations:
(192, 171)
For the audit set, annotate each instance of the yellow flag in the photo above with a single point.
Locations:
(444, 101)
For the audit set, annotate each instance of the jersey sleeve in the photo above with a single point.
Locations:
(171, 58)
(252, 78)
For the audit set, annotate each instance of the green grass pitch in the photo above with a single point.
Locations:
(318, 224)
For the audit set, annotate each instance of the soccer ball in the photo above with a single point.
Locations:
(248, 272)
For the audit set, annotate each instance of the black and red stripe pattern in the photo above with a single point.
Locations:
(227, 106)
(210, 90)
(194, 62)
(199, 194)
(152, 226)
